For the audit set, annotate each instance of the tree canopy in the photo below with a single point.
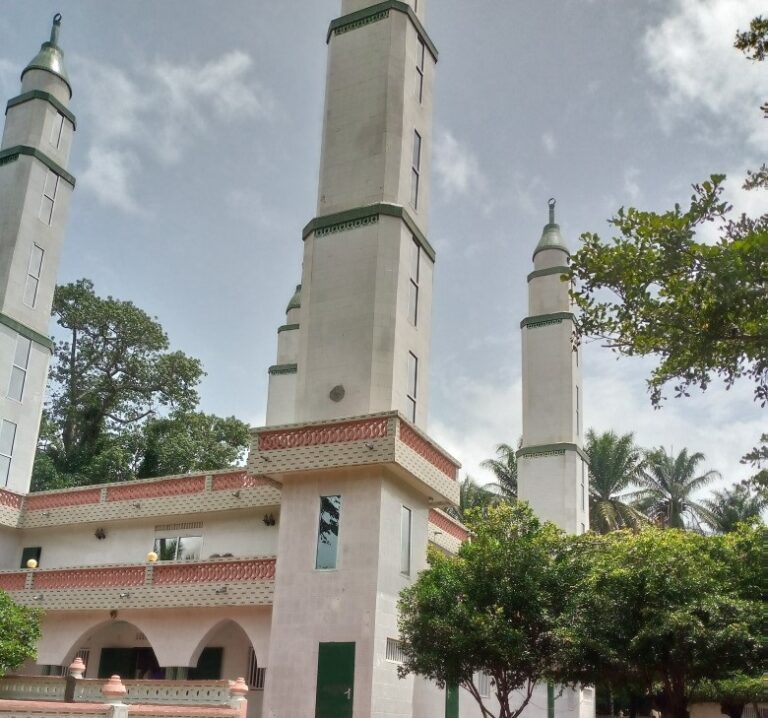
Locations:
(19, 633)
(122, 404)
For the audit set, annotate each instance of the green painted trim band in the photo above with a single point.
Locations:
(12, 153)
(25, 331)
(287, 328)
(543, 320)
(353, 218)
(367, 15)
(547, 272)
(279, 369)
(40, 95)
(535, 452)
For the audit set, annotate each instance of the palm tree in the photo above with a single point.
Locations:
(614, 463)
(504, 468)
(733, 506)
(471, 496)
(667, 485)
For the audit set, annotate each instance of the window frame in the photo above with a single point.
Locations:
(420, 65)
(19, 369)
(416, 169)
(50, 197)
(412, 387)
(338, 533)
(57, 129)
(406, 543)
(414, 278)
(32, 276)
(3, 454)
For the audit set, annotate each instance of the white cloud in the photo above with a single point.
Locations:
(707, 83)
(156, 113)
(550, 143)
(455, 166)
(9, 77)
(631, 186)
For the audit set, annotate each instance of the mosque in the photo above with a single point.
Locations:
(286, 572)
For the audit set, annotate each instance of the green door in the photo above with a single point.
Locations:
(452, 700)
(335, 680)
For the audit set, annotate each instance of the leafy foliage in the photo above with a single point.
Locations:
(492, 608)
(19, 633)
(734, 505)
(471, 496)
(664, 610)
(113, 374)
(504, 468)
(615, 463)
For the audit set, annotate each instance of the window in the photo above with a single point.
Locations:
(56, 128)
(19, 368)
(415, 169)
(34, 268)
(405, 540)
(583, 487)
(30, 552)
(49, 197)
(483, 684)
(328, 532)
(578, 410)
(7, 440)
(413, 287)
(395, 651)
(178, 548)
(421, 54)
(413, 376)
(255, 676)
(208, 666)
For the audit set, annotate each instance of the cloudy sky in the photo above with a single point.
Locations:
(197, 155)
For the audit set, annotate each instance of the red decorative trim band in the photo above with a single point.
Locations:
(90, 577)
(157, 489)
(7, 498)
(240, 480)
(448, 525)
(323, 434)
(13, 581)
(260, 569)
(56, 501)
(424, 449)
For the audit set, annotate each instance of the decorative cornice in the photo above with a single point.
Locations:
(535, 452)
(353, 218)
(25, 331)
(47, 97)
(544, 320)
(363, 17)
(279, 369)
(288, 328)
(550, 270)
(12, 153)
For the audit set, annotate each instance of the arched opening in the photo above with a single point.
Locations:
(226, 651)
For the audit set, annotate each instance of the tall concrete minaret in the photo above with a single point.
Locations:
(366, 297)
(552, 470)
(35, 190)
(281, 396)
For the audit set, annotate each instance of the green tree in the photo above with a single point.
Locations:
(471, 496)
(504, 468)
(667, 485)
(19, 633)
(734, 505)
(492, 608)
(661, 611)
(112, 379)
(615, 463)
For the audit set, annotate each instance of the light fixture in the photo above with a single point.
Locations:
(264, 458)
(369, 445)
(236, 494)
(221, 590)
(32, 563)
(46, 514)
(269, 519)
(38, 597)
(125, 594)
(100, 533)
(136, 505)
(152, 557)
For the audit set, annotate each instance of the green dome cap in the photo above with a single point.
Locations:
(550, 236)
(51, 56)
(295, 302)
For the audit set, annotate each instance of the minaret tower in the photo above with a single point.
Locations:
(366, 297)
(552, 467)
(35, 191)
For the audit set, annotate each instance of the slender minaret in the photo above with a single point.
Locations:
(366, 297)
(281, 394)
(35, 191)
(552, 468)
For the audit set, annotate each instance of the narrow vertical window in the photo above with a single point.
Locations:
(421, 55)
(19, 368)
(578, 410)
(405, 540)
(49, 197)
(583, 487)
(415, 169)
(7, 440)
(56, 128)
(413, 378)
(328, 532)
(34, 269)
(413, 288)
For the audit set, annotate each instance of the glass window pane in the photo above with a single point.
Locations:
(413, 373)
(411, 410)
(30, 291)
(5, 469)
(35, 261)
(16, 387)
(189, 548)
(413, 304)
(51, 183)
(405, 540)
(56, 126)
(165, 548)
(46, 210)
(23, 345)
(328, 532)
(416, 150)
(415, 260)
(415, 189)
(422, 53)
(7, 438)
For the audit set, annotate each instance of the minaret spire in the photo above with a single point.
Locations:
(552, 203)
(51, 56)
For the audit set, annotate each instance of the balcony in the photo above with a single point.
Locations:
(167, 496)
(379, 439)
(166, 584)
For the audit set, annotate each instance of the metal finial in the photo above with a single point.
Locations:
(552, 202)
(55, 29)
